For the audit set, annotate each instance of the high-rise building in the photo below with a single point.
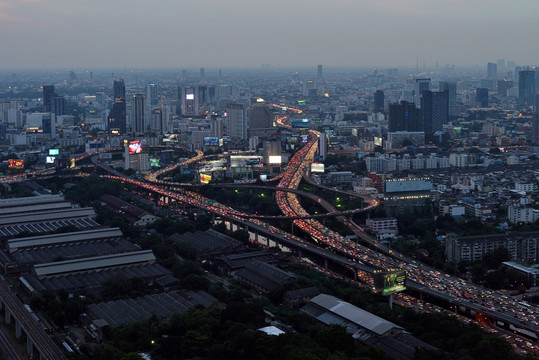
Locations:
(236, 120)
(504, 85)
(323, 146)
(526, 88)
(137, 120)
(481, 97)
(379, 101)
(492, 71)
(152, 99)
(202, 73)
(117, 116)
(189, 100)
(405, 117)
(320, 73)
(58, 105)
(259, 120)
(535, 128)
(48, 95)
(451, 88)
(421, 85)
(435, 108)
(309, 88)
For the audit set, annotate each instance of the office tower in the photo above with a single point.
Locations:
(152, 99)
(320, 73)
(421, 85)
(492, 71)
(48, 94)
(323, 146)
(526, 88)
(309, 88)
(501, 64)
(379, 101)
(481, 97)
(451, 88)
(118, 114)
(259, 120)
(405, 117)
(137, 119)
(535, 128)
(435, 107)
(504, 85)
(236, 120)
(189, 100)
(58, 105)
(201, 73)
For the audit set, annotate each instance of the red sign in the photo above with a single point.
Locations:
(16, 163)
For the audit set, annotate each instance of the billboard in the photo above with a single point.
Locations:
(72, 163)
(304, 123)
(154, 162)
(318, 168)
(105, 156)
(407, 184)
(389, 282)
(205, 179)
(304, 138)
(377, 141)
(134, 147)
(54, 152)
(49, 159)
(264, 177)
(275, 159)
(189, 96)
(211, 141)
(15, 163)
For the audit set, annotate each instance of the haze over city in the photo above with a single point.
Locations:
(240, 33)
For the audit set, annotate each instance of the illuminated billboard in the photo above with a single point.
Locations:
(329, 132)
(389, 282)
(72, 163)
(304, 138)
(15, 163)
(49, 159)
(134, 147)
(205, 179)
(211, 141)
(264, 177)
(54, 152)
(318, 168)
(275, 159)
(154, 162)
(377, 141)
(189, 96)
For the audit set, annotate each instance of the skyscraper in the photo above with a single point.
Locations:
(259, 120)
(504, 85)
(320, 73)
(137, 120)
(152, 99)
(405, 117)
(481, 97)
(236, 120)
(379, 101)
(421, 85)
(58, 106)
(189, 100)
(526, 88)
(492, 71)
(48, 95)
(435, 107)
(118, 114)
(202, 73)
(451, 88)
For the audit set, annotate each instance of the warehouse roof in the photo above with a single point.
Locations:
(46, 216)
(47, 226)
(335, 310)
(93, 263)
(30, 200)
(70, 237)
(33, 208)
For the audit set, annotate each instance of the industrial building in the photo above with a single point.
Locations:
(208, 244)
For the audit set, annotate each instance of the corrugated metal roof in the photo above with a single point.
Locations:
(30, 200)
(86, 235)
(46, 216)
(95, 262)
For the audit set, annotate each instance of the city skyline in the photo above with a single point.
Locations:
(167, 34)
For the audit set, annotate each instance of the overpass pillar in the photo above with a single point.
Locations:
(17, 329)
(30, 347)
(325, 263)
(8, 316)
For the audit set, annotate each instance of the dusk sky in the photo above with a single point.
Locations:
(235, 33)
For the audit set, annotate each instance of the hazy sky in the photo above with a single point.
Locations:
(235, 33)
